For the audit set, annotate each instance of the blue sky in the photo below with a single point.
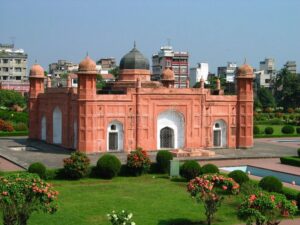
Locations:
(213, 31)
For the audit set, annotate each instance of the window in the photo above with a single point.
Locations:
(18, 69)
(113, 127)
(5, 69)
(5, 60)
(167, 138)
(18, 78)
(18, 61)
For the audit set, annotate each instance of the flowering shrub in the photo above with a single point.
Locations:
(76, 166)
(203, 189)
(120, 218)
(266, 208)
(138, 161)
(6, 126)
(23, 194)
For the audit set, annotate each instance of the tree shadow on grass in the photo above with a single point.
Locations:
(180, 221)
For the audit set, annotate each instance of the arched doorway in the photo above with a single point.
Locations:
(115, 135)
(43, 128)
(220, 134)
(57, 126)
(170, 130)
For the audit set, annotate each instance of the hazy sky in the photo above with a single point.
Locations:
(213, 31)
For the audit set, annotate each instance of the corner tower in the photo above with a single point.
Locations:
(87, 106)
(244, 106)
(36, 80)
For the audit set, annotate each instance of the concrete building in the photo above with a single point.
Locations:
(266, 74)
(62, 67)
(262, 79)
(228, 71)
(177, 61)
(107, 63)
(291, 66)
(13, 63)
(268, 66)
(196, 73)
(149, 114)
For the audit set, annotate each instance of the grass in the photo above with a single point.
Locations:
(277, 131)
(153, 201)
(13, 133)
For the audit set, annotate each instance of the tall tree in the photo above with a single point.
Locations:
(265, 97)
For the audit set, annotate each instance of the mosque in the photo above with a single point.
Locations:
(137, 112)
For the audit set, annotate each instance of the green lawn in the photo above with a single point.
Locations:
(153, 201)
(277, 131)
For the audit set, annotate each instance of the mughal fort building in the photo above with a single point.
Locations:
(137, 112)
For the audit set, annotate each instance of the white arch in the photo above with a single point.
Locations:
(219, 134)
(43, 128)
(175, 121)
(57, 126)
(115, 130)
(75, 135)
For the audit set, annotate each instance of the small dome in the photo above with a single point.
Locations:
(168, 74)
(134, 60)
(245, 70)
(87, 65)
(36, 71)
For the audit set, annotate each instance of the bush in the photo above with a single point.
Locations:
(163, 161)
(298, 130)
(6, 126)
(287, 129)
(271, 184)
(269, 130)
(20, 127)
(209, 168)
(190, 169)
(108, 166)
(239, 176)
(298, 200)
(38, 168)
(298, 152)
(138, 162)
(290, 160)
(77, 166)
(256, 130)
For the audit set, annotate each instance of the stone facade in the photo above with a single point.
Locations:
(146, 114)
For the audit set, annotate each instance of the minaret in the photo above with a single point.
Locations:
(87, 130)
(36, 80)
(244, 78)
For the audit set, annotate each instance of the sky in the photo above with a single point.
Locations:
(212, 31)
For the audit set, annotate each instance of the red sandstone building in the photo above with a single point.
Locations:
(138, 112)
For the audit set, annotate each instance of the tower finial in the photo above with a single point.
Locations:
(134, 44)
(245, 60)
(87, 53)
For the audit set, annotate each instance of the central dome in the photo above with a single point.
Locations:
(134, 60)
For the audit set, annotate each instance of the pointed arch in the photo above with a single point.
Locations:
(219, 134)
(115, 136)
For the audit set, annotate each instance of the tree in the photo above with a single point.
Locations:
(8, 98)
(115, 71)
(100, 82)
(23, 194)
(265, 98)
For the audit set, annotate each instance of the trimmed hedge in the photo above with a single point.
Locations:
(108, 166)
(209, 168)
(271, 184)
(190, 169)
(256, 130)
(163, 158)
(239, 176)
(298, 152)
(269, 130)
(287, 129)
(298, 130)
(290, 160)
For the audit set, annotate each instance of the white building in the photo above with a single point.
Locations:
(196, 73)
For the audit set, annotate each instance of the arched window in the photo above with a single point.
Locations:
(220, 134)
(57, 126)
(167, 138)
(115, 136)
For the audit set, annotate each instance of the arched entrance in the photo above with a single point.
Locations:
(170, 130)
(57, 126)
(43, 128)
(220, 134)
(115, 135)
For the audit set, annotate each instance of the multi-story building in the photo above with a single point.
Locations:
(291, 66)
(262, 79)
(268, 66)
(107, 63)
(196, 73)
(13, 63)
(228, 71)
(62, 67)
(177, 61)
(266, 74)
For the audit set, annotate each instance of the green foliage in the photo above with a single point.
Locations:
(290, 160)
(138, 162)
(256, 130)
(209, 168)
(8, 98)
(22, 194)
(100, 82)
(163, 159)
(239, 176)
(16, 117)
(271, 184)
(190, 169)
(38, 168)
(108, 166)
(298, 130)
(77, 166)
(250, 187)
(265, 97)
(269, 130)
(20, 127)
(120, 218)
(287, 129)
(115, 71)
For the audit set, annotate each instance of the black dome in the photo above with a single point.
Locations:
(134, 60)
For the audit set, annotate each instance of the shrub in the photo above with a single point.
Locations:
(209, 168)
(287, 129)
(269, 130)
(298, 152)
(256, 130)
(290, 110)
(298, 130)
(120, 218)
(138, 162)
(279, 114)
(76, 166)
(20, 127)
(239, 176)
(190, 169)
(290, 160)
(271, 184)
(38, 168)
(108, 166)
(6, 126)
(163, 161)
(298, 200)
